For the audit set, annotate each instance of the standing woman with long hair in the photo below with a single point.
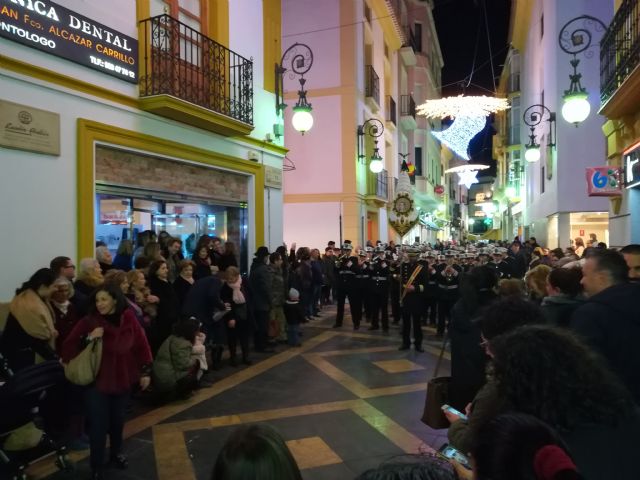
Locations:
(29, 335)
(126, 360)
(549, 373)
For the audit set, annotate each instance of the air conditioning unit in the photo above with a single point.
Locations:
(253, 155)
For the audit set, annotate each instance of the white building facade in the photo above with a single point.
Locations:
(169, 136)
(556, 207)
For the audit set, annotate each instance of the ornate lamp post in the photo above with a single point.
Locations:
(533, 116)
(373, 128)
(575, 37)
(300, 58)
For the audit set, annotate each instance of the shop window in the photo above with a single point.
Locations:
(185, 200)
(125, 217)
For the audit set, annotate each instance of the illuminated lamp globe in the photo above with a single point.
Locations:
(302, 119)
(510, 192)
(471, 221)
(441, 207)
(532, 154)
(376, 165)
(576, 107)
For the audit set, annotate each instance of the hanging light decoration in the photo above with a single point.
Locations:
(469, 116)
(467, 174)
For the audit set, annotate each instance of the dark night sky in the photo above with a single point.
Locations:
(461, 27)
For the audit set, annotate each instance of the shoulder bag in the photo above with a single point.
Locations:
(437, 395)
(83, 368)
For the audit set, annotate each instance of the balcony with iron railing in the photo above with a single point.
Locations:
(408, 112)
(378, 188)
(409, 47)
(372, 87)
(382, 185)
(514, 83)
(391, 111)
(191, 78)
(619, 59)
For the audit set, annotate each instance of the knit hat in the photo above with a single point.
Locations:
(294, 294)
(262, 252)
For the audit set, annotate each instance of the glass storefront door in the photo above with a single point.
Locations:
(120, 217)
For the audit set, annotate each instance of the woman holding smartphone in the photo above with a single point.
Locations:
(126, 360)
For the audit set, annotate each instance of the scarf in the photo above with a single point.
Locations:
(63, 307)
(238, 297)
(34, 315)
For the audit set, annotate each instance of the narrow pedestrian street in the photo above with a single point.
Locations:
(344, 402)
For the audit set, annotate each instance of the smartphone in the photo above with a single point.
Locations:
(448, 452)
(450, 409)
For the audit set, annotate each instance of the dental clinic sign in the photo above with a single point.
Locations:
(56, 30)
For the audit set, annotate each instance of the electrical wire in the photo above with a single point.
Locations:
(347, 24)
(475, 54)
(482, 65)
(486, 23)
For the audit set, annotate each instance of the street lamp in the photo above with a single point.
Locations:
(301, 58)
(373, 128)
(533, 116)
(575, 37)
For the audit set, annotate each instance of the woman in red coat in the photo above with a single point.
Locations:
(126, 360)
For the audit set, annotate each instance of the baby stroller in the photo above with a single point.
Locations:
(20, 396)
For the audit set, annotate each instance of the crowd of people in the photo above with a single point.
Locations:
(540, 339)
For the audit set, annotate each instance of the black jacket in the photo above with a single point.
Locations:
(468, 360)
(610, 322)
(558, 309)
(259, 283)
(604, 452)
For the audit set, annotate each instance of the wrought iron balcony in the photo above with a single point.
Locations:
(382, 186)
(407, 106)
(409, 38)
(620, 48)
(183, 63)
(372, 84)
(514, 83)
(391, 110)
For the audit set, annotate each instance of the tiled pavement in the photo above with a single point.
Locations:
(344, 402)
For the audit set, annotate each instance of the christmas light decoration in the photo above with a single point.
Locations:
(468, 167)
(469, 118)
(468, 178)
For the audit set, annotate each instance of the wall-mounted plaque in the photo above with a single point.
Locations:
(26, 128)
(272, 177)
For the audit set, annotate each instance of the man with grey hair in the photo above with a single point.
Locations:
(610, 319)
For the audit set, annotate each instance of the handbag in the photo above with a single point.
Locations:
(437, 395)
(83, 368)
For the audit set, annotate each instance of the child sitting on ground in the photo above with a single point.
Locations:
(295, 316)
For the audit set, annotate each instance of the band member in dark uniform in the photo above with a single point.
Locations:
(448, 279)
(431, 292)
(413, 279)
(380, 291)
(360, 287)
(346, 278)
(367, 289)
(394, 285)
(503, 269)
